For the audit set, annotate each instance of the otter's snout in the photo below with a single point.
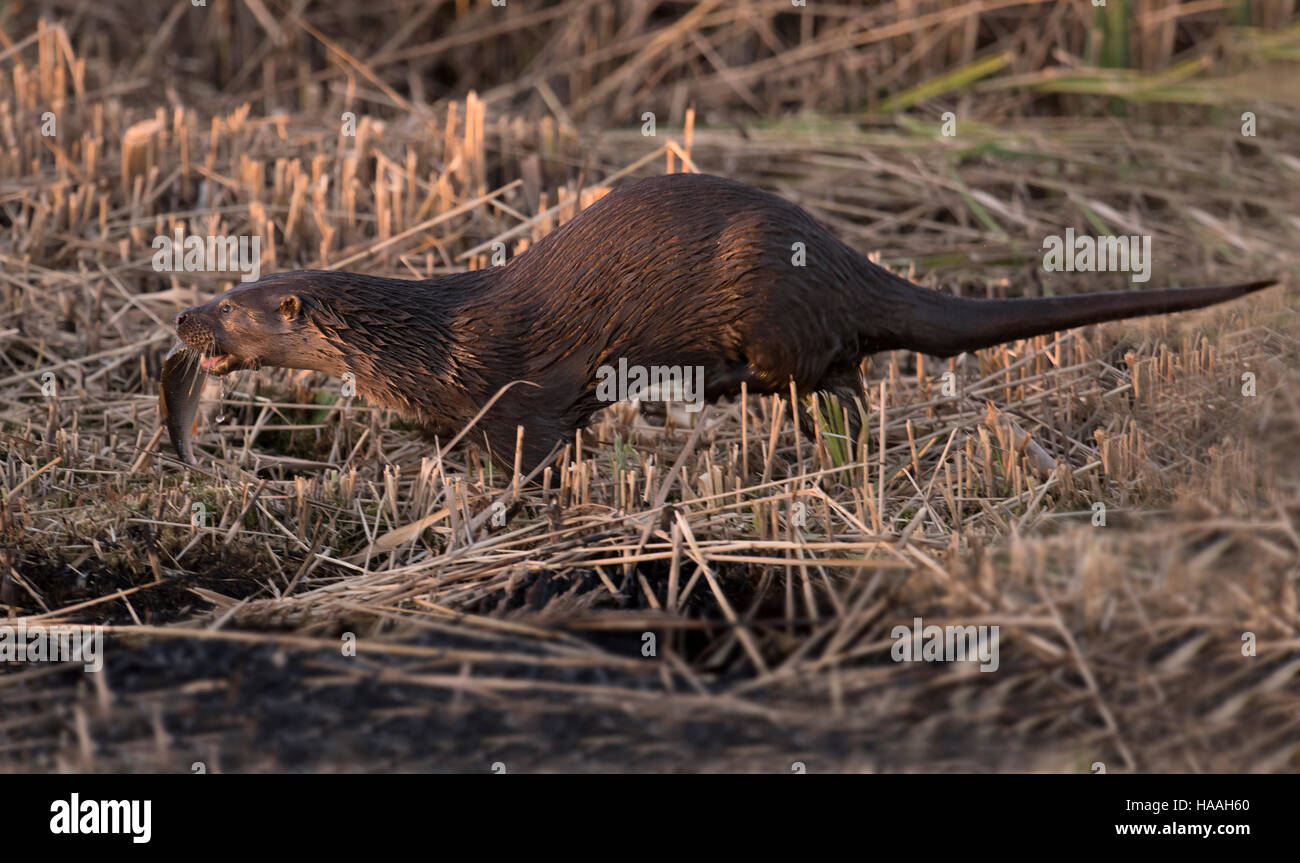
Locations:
(193, 329)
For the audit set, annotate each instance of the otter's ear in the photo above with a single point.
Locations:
(291, 306)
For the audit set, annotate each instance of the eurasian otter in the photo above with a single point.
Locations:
(683, 270)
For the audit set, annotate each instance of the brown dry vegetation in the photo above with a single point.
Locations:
(522, 643)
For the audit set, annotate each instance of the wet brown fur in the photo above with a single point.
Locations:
(678, 270)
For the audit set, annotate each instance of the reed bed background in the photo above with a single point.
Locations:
(769, 567)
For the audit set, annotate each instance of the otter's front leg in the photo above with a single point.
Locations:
(543, 438)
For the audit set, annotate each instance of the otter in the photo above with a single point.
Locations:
(682, 270)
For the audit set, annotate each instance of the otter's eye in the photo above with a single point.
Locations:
(225, 308)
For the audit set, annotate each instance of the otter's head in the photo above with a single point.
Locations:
(276, 321)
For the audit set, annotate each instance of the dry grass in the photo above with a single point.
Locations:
(521, 642)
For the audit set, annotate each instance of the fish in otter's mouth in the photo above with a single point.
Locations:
(179, 390)
(197, 352)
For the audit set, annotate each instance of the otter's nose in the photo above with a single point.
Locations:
(189, 321)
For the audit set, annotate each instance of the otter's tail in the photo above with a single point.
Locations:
(943, 325)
